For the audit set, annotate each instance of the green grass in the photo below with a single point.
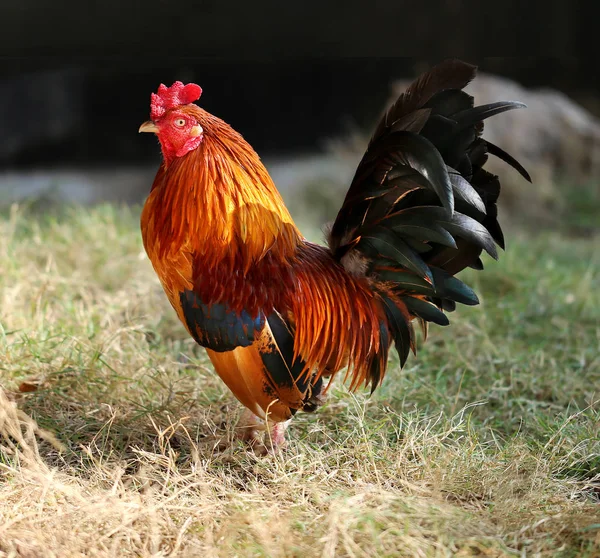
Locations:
(487, 444)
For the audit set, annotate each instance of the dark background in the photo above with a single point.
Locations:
(75, 80)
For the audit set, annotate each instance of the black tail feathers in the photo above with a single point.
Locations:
(421, 206)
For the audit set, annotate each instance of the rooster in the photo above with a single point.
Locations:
(279, 316)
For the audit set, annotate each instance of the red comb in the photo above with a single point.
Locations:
(172, 97)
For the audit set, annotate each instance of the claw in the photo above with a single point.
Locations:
(262, 437)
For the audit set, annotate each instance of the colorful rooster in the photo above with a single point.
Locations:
(279, 316)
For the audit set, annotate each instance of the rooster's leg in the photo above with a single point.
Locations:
(275, 437)
(251, 429)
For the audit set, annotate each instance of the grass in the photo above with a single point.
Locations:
(487, 444)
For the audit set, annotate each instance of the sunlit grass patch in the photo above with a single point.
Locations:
(486, 444)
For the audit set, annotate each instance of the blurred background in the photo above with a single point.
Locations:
(303, 83)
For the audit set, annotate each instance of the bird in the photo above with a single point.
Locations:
(280, 316)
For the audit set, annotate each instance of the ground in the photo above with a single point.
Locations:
(485, 445)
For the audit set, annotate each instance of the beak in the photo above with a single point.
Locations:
(148, 126)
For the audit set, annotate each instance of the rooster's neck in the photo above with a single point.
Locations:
(219, 202)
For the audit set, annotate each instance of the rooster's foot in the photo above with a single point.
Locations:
(261, 436)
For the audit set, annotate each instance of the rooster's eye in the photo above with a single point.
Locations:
(180, 122)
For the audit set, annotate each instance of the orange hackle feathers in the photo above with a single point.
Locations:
(219, 206)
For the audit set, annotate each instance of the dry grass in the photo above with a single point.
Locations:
(487, 445)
